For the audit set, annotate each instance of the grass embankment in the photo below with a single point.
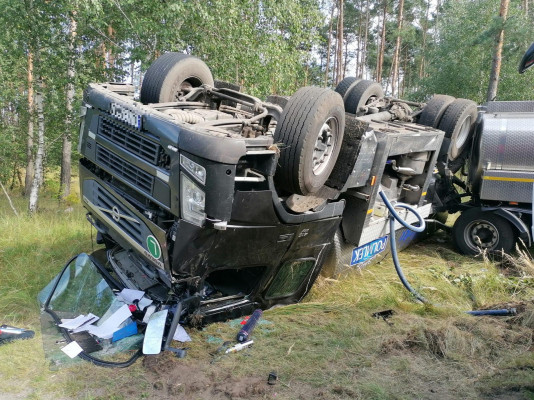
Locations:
(328, 347)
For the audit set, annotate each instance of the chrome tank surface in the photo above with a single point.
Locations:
(503, 162)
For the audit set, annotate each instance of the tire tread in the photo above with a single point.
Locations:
(298, 115)
(434, 110)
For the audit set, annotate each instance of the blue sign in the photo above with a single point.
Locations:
(368, 251)
(407, 236)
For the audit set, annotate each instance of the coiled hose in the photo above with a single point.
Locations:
(394, 254)
(393, 243)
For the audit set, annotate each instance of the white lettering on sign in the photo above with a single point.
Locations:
(369, 250)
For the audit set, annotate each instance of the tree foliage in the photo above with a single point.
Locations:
(268, 47)
(463, 48)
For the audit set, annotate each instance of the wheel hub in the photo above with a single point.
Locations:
(464, 132)
(324, 145)
(482, 234)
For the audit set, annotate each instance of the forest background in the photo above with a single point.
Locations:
(51, 50)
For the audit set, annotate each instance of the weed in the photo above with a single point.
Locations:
(327, 347)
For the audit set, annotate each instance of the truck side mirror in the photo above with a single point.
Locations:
(528, 60)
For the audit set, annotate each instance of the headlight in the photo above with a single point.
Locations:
(198, 171)
(193, 201)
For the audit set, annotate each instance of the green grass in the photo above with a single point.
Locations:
(327, 347)
(32, 250)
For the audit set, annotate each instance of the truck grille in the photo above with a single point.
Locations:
(129, 139)
(105, 200)
(121, 168)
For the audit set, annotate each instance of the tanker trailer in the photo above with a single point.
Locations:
(500, 178)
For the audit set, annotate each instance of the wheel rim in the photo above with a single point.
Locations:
(186, 86)
(324, 146)
(369, 100)
(464, 133)
(481, 234)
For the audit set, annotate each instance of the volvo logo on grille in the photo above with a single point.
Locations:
(115, 213)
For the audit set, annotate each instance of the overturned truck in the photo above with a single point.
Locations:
(214, 203)
(234, 202)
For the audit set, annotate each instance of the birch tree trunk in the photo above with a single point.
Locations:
(9, 199)
(329, 47)
(339, 71)
(29, 139)
(34, 192)
(497, 55)
(396, 54)
(380, 62)
(359, 42)
(67, 138)
(423, 47)
(364, 53)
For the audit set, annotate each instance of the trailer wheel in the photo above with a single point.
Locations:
(364, 92)
(476, 230)
(344, 87)
(171, 76)
(310, 133)
(458, 123)
(434, 110)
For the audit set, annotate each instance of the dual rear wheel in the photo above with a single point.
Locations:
(456, 117)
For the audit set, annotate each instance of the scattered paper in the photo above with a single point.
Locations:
(130, 295)
(144, 302)
(181, 335)
(110, 325)
(78, 321)
(86, 326)
(72, 349)
(149, 311)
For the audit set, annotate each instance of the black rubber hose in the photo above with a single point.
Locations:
(391, 208)
(393, 243)
(83, 355)
(396, 262)
(394, 255)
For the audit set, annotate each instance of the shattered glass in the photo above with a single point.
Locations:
(82, 290)
(289, 278)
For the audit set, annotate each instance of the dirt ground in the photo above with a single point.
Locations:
(481, 358)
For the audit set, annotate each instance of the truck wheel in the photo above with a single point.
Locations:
(434, 110)
(476, 230)
(364, 92)
(310, 133)
(171, 76)
(344, 87)
(458, 123)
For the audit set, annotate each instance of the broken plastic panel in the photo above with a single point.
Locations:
(81, 289)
